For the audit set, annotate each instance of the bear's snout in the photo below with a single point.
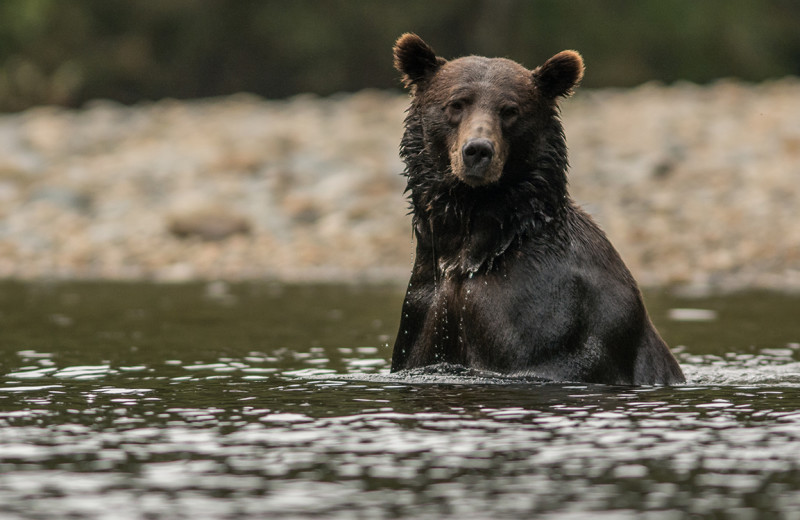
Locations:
(477, 155)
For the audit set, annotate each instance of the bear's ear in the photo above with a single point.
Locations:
(415, 59)
(559, 75)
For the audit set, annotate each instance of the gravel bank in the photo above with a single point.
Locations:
(696, 186)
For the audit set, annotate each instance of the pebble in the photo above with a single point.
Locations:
(696, 186)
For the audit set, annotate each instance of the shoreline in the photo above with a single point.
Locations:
(696, 186)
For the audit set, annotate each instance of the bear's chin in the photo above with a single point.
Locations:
(475, 181)
(478, 179)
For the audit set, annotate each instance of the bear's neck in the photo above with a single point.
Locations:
(467, 229)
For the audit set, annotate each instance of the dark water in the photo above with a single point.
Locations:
(264, 401)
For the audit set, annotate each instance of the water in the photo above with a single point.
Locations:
(265, 401)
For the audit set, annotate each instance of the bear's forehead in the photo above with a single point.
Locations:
(479, 71)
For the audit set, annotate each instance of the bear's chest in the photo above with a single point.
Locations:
(498, 320)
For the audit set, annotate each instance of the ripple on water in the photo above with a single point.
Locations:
(458, 448)
(317, 431)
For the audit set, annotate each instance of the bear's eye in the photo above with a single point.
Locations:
(509, 113)
(456, 105)
(454, 109)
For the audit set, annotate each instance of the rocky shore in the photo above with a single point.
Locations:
(696, 186)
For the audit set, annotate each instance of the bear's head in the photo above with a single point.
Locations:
(481, 118)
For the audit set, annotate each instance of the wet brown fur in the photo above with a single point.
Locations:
(510, 275)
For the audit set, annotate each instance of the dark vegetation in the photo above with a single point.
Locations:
(52, 51)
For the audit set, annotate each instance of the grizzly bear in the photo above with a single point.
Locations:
(510, 275)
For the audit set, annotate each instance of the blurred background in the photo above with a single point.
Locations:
(211, 139)
(67, 53)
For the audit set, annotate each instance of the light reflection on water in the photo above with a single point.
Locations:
(157, 401)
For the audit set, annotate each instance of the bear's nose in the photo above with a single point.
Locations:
(477, 153)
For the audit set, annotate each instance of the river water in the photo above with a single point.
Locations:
(269, 401)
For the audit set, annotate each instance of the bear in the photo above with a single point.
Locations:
(510, 276)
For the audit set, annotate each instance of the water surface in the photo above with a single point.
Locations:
(257, 400)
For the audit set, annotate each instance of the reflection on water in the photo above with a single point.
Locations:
(255, 401)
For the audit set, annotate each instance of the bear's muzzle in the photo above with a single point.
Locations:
(480, 154)
(477, 155)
